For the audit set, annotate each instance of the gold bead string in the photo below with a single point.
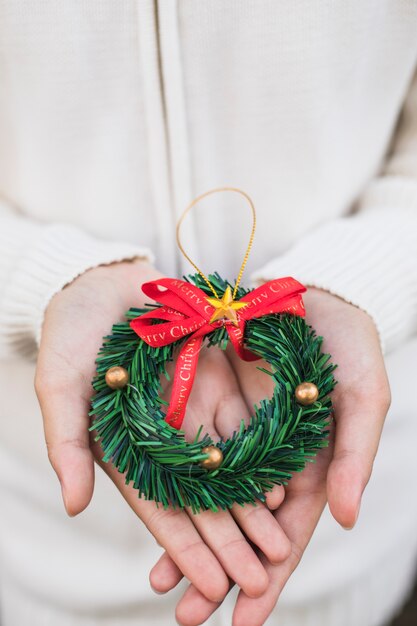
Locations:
(250, 243)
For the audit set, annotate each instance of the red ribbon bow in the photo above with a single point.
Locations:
(186, 310)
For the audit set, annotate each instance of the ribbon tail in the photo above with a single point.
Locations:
(185, 369)
(236, 337)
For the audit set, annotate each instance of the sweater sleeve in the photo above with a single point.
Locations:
(36, 261)
(369, 258)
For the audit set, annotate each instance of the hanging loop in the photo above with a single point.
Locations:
(248, 248)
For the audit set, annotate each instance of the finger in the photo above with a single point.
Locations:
(359, 416)
(298, 516)
(256, 521)
(261, 527)
(231, 548)
(174, 531)
(165, 574)
(275, 497)
(193, 608)
(65, 419)
(254, 384)
(214, 376)
(231, 409)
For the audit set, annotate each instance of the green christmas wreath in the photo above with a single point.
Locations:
(284, 433)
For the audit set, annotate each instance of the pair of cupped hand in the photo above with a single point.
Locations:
(254, 547)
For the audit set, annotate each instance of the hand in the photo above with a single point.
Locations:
(207, 548)
(361, 400)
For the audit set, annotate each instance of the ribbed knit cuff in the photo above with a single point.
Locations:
(39, 260)
(369, 260)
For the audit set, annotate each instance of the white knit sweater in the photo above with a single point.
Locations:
(114, 115)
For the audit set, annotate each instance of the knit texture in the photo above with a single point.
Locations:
(194, 96)
(113, 116)
(370, 258)
(37, 261)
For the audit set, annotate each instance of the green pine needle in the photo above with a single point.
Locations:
(281, 438)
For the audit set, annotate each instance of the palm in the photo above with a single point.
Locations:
(225, 391)
(75, 322)
(341, 471)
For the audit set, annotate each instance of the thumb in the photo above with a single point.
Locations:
(65, 418)
(359, 420)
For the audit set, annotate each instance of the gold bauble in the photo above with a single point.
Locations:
(117, 377)
(306, 393)
(214, 459)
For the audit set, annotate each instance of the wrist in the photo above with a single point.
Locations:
(120, 271)
(321, 303)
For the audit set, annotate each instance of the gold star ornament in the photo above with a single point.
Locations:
(226, 307)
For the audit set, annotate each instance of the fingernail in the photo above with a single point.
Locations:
(159, 593)
(65, 500)
(357, 512)
(356, 518)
